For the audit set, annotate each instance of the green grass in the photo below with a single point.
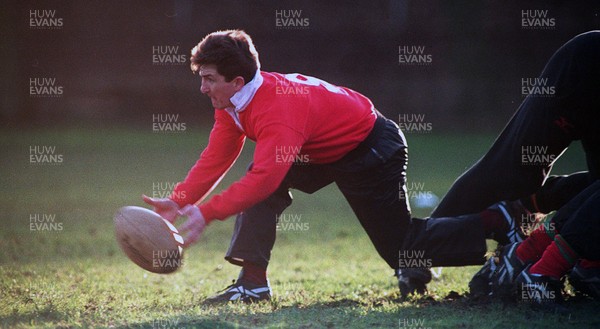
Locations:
(328, 276)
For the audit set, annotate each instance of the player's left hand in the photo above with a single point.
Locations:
(194, 225)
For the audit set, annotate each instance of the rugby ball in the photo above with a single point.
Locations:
(149, 240)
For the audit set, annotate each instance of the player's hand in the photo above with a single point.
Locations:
(165, 207)
(194, 225)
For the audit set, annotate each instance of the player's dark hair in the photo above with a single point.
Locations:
(232, 52)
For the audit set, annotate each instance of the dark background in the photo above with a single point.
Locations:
(102, 56)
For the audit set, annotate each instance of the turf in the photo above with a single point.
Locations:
(325, 275)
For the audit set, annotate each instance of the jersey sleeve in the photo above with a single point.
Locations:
(268, 171)
(225, 144)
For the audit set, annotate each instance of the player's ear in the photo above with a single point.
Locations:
(238, 83)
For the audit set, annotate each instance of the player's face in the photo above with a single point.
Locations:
(215, 86)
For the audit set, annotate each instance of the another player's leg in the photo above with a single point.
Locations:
(549, 123)
(443, 242)
(512, 178)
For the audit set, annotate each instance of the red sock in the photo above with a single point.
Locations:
(254, 273)
(557, 260)
(532, 248)
(589, 263)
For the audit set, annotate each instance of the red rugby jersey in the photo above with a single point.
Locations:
(291, 117)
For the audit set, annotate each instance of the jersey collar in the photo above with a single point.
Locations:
(242, 98)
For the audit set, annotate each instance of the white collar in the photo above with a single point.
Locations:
(242, 98)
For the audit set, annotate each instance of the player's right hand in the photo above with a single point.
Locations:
(165, 207)
(194, 226)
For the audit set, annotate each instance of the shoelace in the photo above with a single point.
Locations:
(228, 287)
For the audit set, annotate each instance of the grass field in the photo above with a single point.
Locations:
(326, 276)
